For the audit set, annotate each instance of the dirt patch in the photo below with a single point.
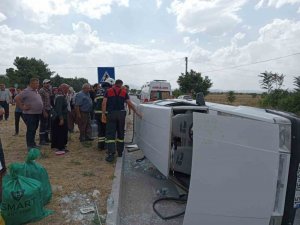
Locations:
(75, 175)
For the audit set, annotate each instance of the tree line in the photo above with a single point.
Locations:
(27, 68)
(276, 97)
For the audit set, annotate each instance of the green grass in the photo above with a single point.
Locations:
(44, 155)
(75, 162)
(88, 174)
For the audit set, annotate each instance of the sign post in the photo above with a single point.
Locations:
(104, 73)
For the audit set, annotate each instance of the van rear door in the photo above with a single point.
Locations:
(234, 171)
(153, 135)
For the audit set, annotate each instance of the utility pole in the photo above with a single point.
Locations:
(186, 65)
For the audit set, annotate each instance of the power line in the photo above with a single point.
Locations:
(122, 65)
(93, 67)
(247, 70)
(249, 64)
(145, 63)
(213, 64)
(163, 61)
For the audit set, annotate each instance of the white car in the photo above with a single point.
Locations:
(186, 97)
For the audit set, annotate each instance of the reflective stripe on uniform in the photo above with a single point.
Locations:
(101, 139)
(110, 141)
(119, 140)
(98, 111)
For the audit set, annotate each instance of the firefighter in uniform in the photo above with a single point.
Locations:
(98, 111)
(113, 104)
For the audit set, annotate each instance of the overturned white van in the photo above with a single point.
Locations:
(233, 161)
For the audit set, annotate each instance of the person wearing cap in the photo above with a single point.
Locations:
(31, 104)
(114, 104)
(45, 93)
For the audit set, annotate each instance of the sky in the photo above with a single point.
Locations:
(231, 42)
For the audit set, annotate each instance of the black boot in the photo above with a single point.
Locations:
(120, 153)
(101, 145)
(47, 139)
(42, 140)
(110, 158)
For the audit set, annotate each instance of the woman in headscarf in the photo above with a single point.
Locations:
(59, 128)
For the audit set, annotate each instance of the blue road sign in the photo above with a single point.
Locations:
(105, 72)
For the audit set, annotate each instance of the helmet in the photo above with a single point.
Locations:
(110, 81)
(105, 85)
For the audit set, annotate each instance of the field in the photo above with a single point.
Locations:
(241, 99)
(74, 176)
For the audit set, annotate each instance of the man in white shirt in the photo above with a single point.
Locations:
(5, 99)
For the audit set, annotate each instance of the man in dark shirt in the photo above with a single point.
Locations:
(113, 103)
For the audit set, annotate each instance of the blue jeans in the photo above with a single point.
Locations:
(32, 123)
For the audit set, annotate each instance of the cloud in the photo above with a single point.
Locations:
(158, 3)
(259, 4)
(2, 17)
(96, 9)
(238, 36)
(214, 17)
(275, 3)
(189, 42)
(40, 11)
(82, 51)
(279, 38)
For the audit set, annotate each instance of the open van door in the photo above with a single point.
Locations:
(153, 135)
(234, 171)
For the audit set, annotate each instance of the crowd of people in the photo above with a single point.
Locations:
(55, 111)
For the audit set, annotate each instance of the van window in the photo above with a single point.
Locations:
(159, 95)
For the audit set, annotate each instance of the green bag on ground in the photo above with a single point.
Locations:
(21, 198)
(36, 171)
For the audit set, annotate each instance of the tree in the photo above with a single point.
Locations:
(176, 93)
(231, 96)
(4, 80)
(270, 79)
(26, 69)
(76, 83)
(193, 82)
(297, 83)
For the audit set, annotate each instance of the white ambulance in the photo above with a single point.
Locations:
(156, 90)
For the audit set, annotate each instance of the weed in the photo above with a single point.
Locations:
(44, 155)
(88, 174)
(112, 177)
(87, 144)
(75, 162)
